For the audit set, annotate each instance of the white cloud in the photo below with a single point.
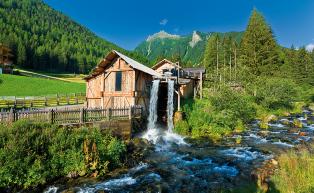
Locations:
(310, 47)
(163, 22)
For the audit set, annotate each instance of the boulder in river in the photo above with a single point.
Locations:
(263, 133)
(303, 133)
(285, 121)
(72, 175)
(297, 123)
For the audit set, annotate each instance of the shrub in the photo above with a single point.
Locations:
(275, 93)
(219, 114)
(182, 127)
(239, 104)
(32, 154)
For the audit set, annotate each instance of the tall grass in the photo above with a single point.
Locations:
(296, 173)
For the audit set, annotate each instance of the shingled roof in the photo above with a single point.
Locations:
(111, 56)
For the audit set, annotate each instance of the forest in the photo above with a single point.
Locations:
(44, 39)
(257, 55)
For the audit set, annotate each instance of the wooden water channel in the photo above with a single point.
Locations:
(122, 121)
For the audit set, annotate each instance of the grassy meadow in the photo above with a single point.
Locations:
(11, 85)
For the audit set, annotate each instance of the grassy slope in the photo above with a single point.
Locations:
(11, 85)
(77, 78)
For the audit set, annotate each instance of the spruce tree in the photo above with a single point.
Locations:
(210, 55)
(303, 69)
(258, 46)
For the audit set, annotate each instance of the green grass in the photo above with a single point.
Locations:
(296, 173)
(11, 85)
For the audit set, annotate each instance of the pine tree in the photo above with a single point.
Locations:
(235, 55)
(210, 55)
(21, 55)
(258, 46)
(303, 69)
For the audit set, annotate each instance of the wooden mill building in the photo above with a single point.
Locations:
(189, 80)
(119, 81)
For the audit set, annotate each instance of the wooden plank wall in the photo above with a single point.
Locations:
(135, 85)
(123, 98)
(143, 82)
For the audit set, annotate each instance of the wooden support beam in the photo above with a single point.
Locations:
(179, 98)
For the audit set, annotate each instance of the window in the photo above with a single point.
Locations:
(118, 81)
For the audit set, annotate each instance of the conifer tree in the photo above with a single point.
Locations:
(210, 55)
(303, 69)
(258, 46)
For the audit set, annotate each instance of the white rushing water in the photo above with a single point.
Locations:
(51, 189)
(152, 117)
(170, 105)
(158, 135)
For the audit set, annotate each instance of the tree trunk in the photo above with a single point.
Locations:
(230, 65)
(217, 58)
(235, 64)
(224, 67)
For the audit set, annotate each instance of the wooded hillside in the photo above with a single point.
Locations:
(44, 39)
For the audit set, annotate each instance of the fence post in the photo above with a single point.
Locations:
(109, 113)
(46, 101)
(11, 115)
(130, 112)
(16, 114)
(52, 116)
(82, 115)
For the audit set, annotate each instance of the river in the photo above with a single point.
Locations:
(180, 164)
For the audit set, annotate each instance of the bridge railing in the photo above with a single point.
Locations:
(71, 116)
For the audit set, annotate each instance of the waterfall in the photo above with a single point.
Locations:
(152, 117)
(170, 105)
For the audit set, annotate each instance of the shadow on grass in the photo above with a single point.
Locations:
(253, 188)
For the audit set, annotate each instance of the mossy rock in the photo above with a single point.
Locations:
(285, 122)
(297, 123)
(238, 140)
(263, 125)
(178, 116)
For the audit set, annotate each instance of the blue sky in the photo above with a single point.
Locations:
(128, 22)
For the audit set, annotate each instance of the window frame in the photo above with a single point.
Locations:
(118, 76)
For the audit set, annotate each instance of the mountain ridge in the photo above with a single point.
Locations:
(188, 48)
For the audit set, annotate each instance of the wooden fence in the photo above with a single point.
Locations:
(42, 101)
(72, 116)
